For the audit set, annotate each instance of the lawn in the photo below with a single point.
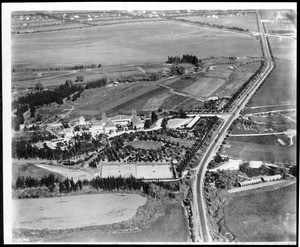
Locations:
(244, 21)
(182, 142)
(55, 213)
(264, 217)
(145, 144)
(127, 43)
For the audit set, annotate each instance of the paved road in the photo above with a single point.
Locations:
(214, 145)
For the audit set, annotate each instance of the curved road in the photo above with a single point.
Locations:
(214, 146)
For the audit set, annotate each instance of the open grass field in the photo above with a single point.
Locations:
(126, 44)
(260, 148)
(276, 122)
(145, 144)
(283, 48)
(111, 99)
(204, 87)
(264, 217)
(279, 88)
(244, 21)
(87, 210)
(27, 168)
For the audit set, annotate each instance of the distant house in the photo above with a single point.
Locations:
(69, 133)
(109, 127)
(121, 119)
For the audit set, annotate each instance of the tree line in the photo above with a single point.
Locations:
(238, 92)
(216, 25)
(66, 185)
(184, 59)
(39, 98)
(75, 67)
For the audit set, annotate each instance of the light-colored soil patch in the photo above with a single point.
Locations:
(124, 170)
(178, 122)
(75, 211)
(233, 164)
(155, 102)
(154, 171)
(147, 171)
(256, 186)
(74, 173)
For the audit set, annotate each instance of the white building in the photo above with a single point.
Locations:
(137, 122)
(271, 178)
(109, 127)
(252, 181)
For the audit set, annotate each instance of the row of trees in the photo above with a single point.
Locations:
(240, 90)
(75, 67)
(96, 83)
(154, 189)
(216, 25)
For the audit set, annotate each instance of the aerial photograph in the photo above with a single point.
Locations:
(150, 122)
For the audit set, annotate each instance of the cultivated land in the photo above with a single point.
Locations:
(55, 213)
(126, 44)
(262, 148)
(263, 217)
(132, 50)
(279, 88)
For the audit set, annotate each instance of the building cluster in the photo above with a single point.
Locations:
(79, 126)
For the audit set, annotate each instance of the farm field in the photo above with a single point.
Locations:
(260, 148)
(25, 79)
(97, 100)
(276, 122)
(279, 88)
(55, 213)
(263, 217)
(244, 21)
(282, 29)
(126, 44)
(217, 81)
(284, 48)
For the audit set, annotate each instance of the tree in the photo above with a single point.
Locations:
(147, 124)
(153, 117)
(39, 86)
(79, 78)
(69, 83)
